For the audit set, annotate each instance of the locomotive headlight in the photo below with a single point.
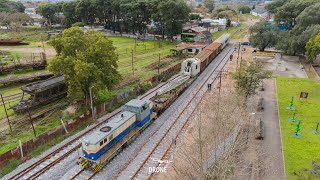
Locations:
(91, 157)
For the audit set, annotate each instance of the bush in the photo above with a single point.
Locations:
(79, 24)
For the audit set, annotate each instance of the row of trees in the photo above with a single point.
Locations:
(130, 16)
(11, 6)
(13, 19)
(301, 17)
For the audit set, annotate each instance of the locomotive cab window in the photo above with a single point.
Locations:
(101, 143)
(105, 140)
(196, 66)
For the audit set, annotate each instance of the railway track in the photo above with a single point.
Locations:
(44, 164)
(168, 136)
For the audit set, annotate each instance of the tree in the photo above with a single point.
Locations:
(313, 48)
(263, 35)
(290, 10)
(249, 77)
(253, 7)
(69, 12)
(307, 26)
(209, 4)
(171, 15)
(48, 11)
(11, 6)
(275, 5)
(244, 9)
(16, 19)
(5, 18)
(228, 23)
(86, 60)
(294, 42)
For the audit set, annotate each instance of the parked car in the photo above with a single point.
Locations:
(246, 43)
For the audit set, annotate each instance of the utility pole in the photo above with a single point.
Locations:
(91, 103)
(5, 110)
(132, 63)
(34, 131)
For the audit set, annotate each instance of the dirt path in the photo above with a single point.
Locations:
(49, 51)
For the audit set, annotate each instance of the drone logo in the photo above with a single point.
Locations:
(159, 169)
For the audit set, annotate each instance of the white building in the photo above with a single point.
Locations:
(259, 12)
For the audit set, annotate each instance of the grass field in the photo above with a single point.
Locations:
(232, 31)
(144, 54)
(302, 155)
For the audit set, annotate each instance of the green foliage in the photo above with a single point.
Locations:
(86, 60)
(275, 5)
(290, 11)
(14, 19)
(48, 11)
(228, 23)
(244, 9)
(224, 12)
(209, 4)
(130, 16)
(306, 25)
(292, 42)
(249, 77)
(194, 16)
(11, 6)
(299, 154)
(313, 48)
(171, 15)
(263, 35)
(79, 24)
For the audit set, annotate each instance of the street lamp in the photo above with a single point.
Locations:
(91, 103)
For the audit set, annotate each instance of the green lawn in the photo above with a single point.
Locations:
(231, 31)
(299, 153)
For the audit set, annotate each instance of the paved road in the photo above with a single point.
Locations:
(271, 144)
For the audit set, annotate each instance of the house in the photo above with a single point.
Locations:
(188, 48)
(259, 12)
(196, 34)
(220, 23)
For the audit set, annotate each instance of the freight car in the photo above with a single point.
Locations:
(103, 144)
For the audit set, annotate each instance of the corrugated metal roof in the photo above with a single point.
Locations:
(114, 123)
(222, 38)
(213, 46)
(40, 86)
(203, 55)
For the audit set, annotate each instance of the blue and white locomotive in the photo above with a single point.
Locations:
(103, 144)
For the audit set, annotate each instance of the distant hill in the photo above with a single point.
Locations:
(11, 6)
